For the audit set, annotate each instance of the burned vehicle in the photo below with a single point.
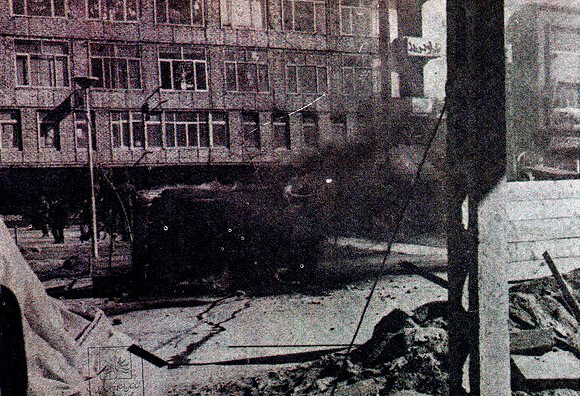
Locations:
(185, 234)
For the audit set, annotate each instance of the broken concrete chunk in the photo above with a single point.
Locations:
(556, 369)
(532, 342)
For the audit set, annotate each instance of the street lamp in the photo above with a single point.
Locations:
(85, 83)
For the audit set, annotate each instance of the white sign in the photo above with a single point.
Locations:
(419, 46)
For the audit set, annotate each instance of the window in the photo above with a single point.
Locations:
(306, 77)
(338, 124)
(10, 128)
(219, 132)
(251, 129)
(183, 68)
(303, 15)
(48, 130)
(179, 12)
(281, 130)
(127, 129)
(113, 10)
(170, 129)
(358, 17)
(357, 75)
(186, 129)
(543, 91)
(243, 13)
(41, 63)
(116, 66)
(42, 8)
(247, 71)
(310, 129)
(81, 130)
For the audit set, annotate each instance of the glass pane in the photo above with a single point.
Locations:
(247, 77)
(181, 135)
(323, 79)
(180, 11)
(361, 18)
(197, 12)
(307, 79)
(40, 72)
(345, 24)
(241, 13)
(169, 135)
(50, 47)
(288, 15)
(154, 137)
(58, 7)
(192, 135)
(61, 72)
(132, 10)
(22, 70)
(204, 134)
(200, 76)
(165, 70)
(304, 16)
(122, 73)
(263, 82)
(39, 7)
(134, 74)
(291, 79)
(160, 11)
(116, 131)
(97, 71)
(18, 7)
(183, 75)
(138, 134)
(231, 77)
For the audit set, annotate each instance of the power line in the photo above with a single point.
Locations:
(398, 224)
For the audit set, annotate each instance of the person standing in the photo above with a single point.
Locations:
(58, 220)
(43, 214)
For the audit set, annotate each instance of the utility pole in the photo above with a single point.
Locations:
(86, 83)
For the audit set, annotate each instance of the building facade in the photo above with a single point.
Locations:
(186, 82)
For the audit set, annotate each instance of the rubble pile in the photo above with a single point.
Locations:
(407, 354)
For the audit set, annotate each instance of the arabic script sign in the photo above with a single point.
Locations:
(419, 46)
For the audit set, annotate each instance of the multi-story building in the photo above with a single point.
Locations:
(197, 82)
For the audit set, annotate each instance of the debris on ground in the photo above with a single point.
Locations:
(407, 353)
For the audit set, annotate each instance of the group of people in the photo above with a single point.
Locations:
(114, 214)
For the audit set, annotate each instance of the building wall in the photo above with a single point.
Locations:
(326, 47)
(329, 47)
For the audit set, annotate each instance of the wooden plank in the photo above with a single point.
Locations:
(533, 250)
(543, 230)
(539, 269)
(493, 309)
(544, 209)
(544, 189)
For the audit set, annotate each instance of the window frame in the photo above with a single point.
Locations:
(133, 117)
(113, 60)
(39, 123)
(257, 63)
(76, 121)
(182, 59)
(256, 130)
(318, 91)
(136, 117)
(374, 15)
(226, 9)
(102, 3)
(318, 27)
(52, 9)
(315, 116)
(276, 121)
(191, 22)
(42, 55)
(17, 121)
